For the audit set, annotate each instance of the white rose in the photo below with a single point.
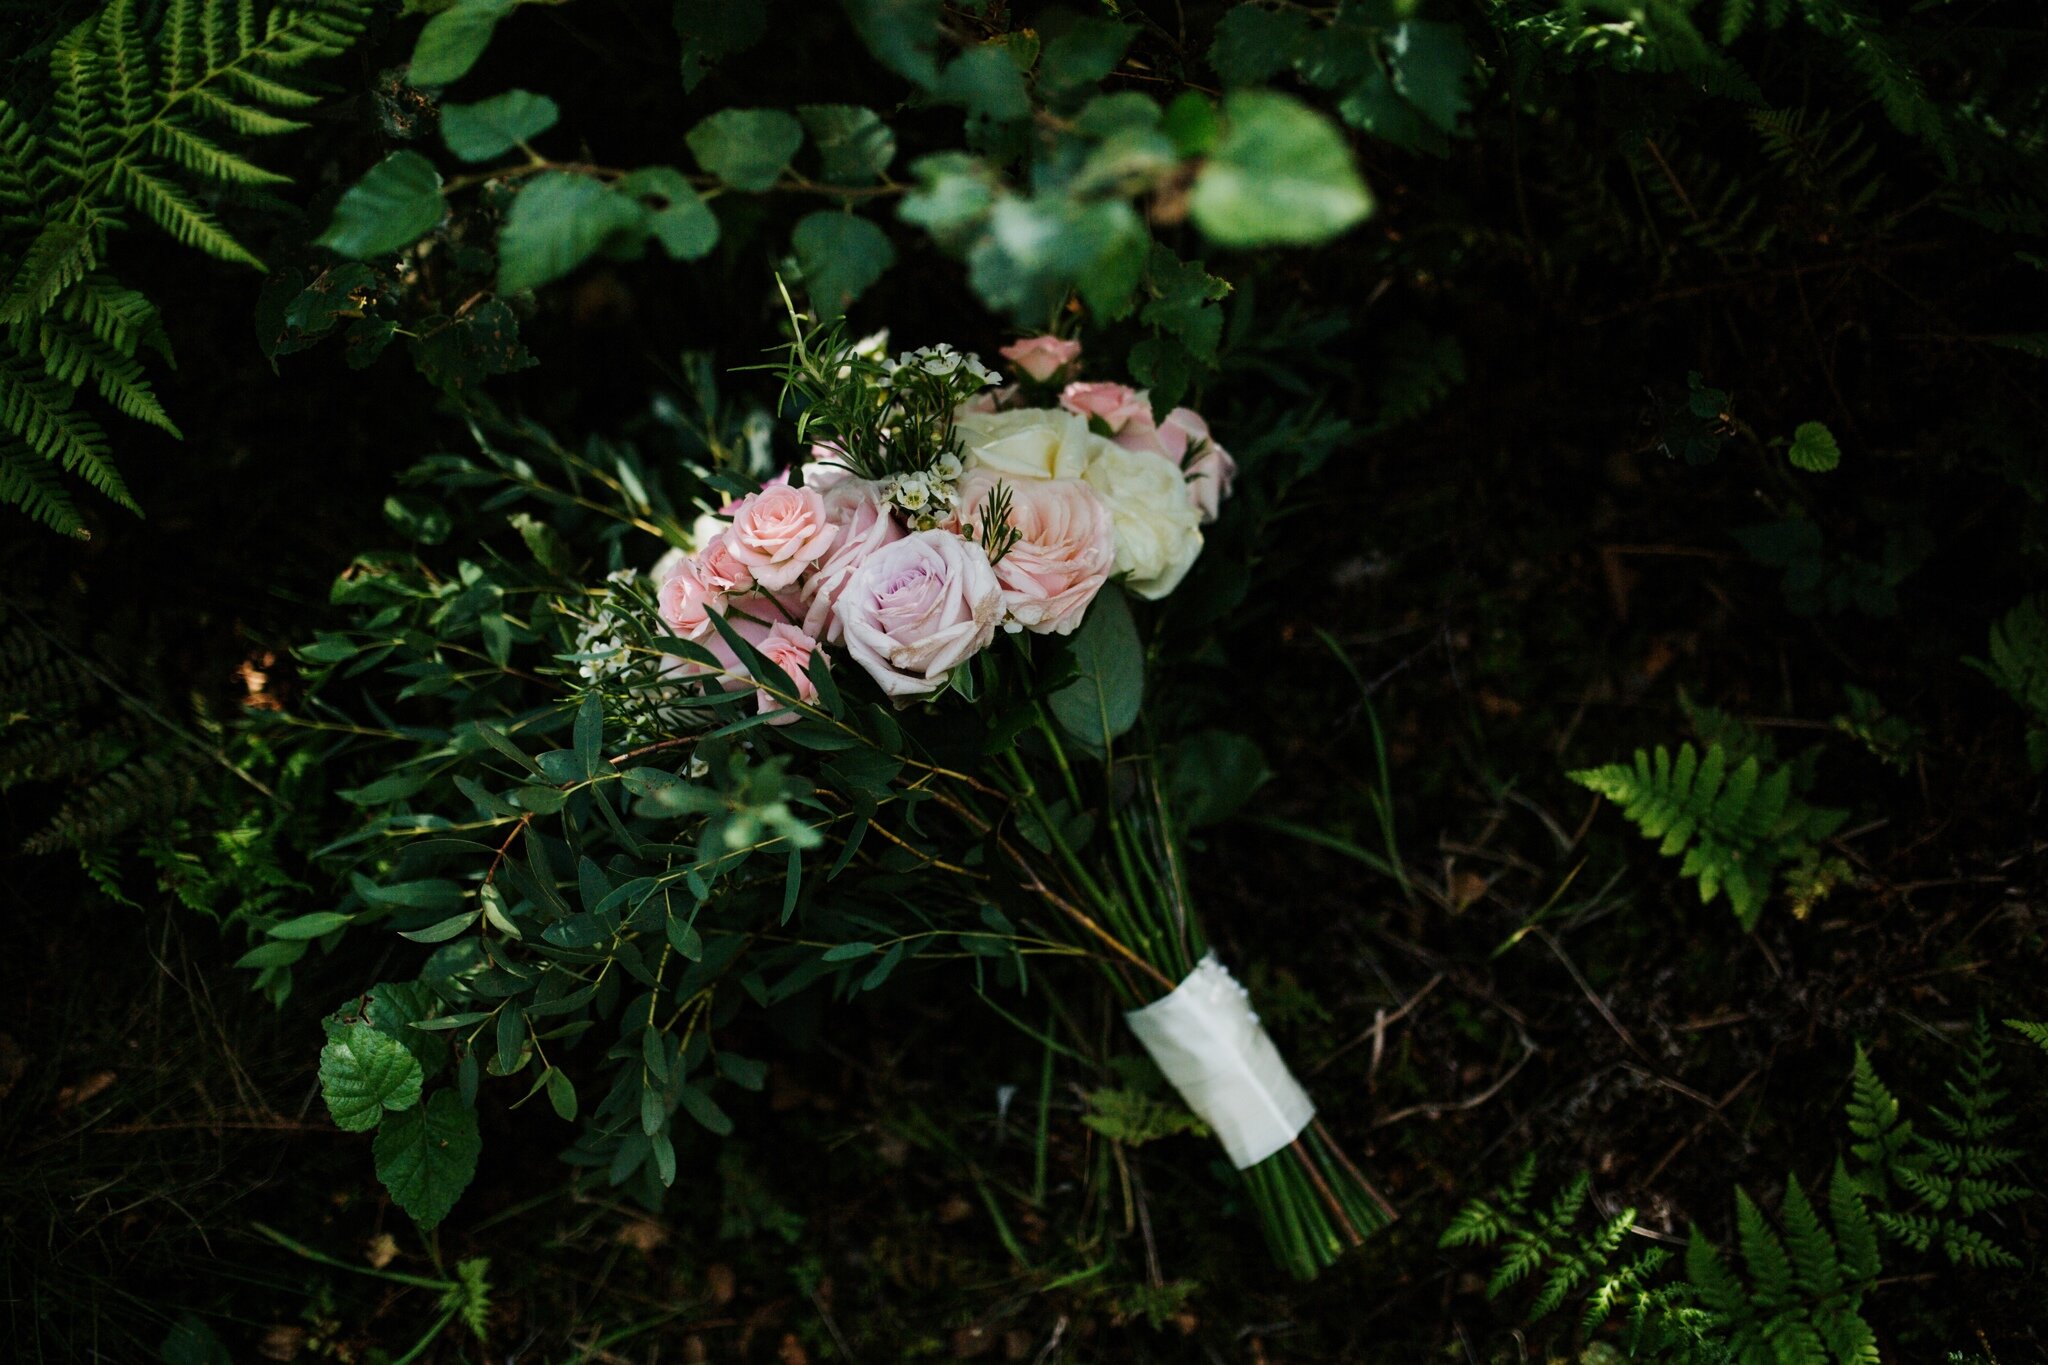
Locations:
(1158, 529)
(1027, 443)
(918, 608)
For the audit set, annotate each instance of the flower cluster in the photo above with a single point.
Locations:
(1015, 523)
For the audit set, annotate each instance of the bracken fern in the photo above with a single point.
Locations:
(130, 129)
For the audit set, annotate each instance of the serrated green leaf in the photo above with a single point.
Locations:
(1813, 448)
(364, 1072)
(426, 1156)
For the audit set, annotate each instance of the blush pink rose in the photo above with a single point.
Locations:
(790, 650)
(686, 602)
(1065, 552)
(865, 525)
(1120, 407)
(721, 571)
(919, 608)
(1041, 357)
(779, 532)
(1184, 438)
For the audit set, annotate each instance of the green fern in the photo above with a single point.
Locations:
(1552, 1244)
(2034, 1032)
(1942, 1180)
(1736, 823)
(1802, 1300)
(1133, 1119)
(131, 130)
(2019, 666)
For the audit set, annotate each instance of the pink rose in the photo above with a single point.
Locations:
(790, 650)
(855, 506)
(1066, 550)
(779, 532)
(1042, 357)
(720, 570)
(1121, 407)
(1184, 438)
(919, 608)
(686, 602)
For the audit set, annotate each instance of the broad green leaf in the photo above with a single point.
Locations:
(1430, 65)
(394, 205)
(746, 148)
(492, 127)
(453, 39)
(1813, 448)
(903, 35)
(558, 222)
(1281, 176)
(364, 1072)
(953, 198)
(1212, 773)
(677, 216)
(1102, 703)
(315, 925)
(426, 1156)
(986, 82)
(1253, 44)
(705, 1110)
(841, 256)
(853, 143)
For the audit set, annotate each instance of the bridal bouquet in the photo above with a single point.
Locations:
(906, 668)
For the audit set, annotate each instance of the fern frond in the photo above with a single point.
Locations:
(2019, 667)
(1735, 826)
(1853, 1227)
(37, 408)
(116, 315)
(186, 148)
(148, 788)
(1967, 1246)
(241, 118)
(19, 192)
(30, 482)
(168, 205)
(1875, 1120)
(124, 64)
(74, 355)
(1891, 80)
(60, 256)
(78, 135)
(2034, 1032)
(270, 89)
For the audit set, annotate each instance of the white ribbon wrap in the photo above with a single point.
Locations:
(1208, 1042)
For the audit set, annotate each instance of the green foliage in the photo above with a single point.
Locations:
(1738, 823)
(364, 1072)
(426, 1157)
(1814, 449)
(133, 126)
(1134, 1118)
(1801, 1301)
(2019, 666)
(1552, 1248)
(1929, 1186)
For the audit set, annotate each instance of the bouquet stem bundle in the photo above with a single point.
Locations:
(1130, 904)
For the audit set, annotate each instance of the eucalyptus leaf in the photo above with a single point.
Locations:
(1102, 703)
